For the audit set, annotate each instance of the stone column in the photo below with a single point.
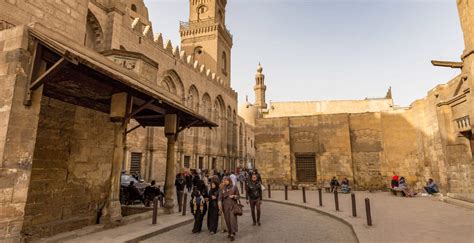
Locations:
(171, 127)
(113, 211)
(170, 174)
(18, 128)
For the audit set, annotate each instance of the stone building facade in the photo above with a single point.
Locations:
(88, 87)
(368, 141)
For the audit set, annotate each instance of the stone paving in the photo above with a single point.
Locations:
(395, 219)
(280, 223)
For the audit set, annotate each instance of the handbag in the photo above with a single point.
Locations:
(237, 209)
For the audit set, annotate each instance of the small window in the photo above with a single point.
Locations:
(201, 162)
(224, 63)
(136, 161)
(187, 160)
(134, 8)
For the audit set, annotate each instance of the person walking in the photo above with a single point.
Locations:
(179, 183)
(254, 195)
(228, 200)
(213, 210)
(189, 181)
(198, 210)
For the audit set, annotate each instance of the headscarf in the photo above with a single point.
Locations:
(395, 177)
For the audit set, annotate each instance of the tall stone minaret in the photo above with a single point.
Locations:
(207, 38)
(260, 89)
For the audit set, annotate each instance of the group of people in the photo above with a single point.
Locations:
(400, 183)
(344, 185)
(149, 194)
(217, 195)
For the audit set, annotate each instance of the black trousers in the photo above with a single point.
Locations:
(198, 218)
(255, 204)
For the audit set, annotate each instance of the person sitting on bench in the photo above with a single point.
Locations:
(334, 184)
(345, 186)
(431, 187)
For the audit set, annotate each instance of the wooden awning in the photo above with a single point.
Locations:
(75, 74)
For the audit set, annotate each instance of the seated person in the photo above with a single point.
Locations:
(403, 186)
(394, 182)
(345, 186)
(151, 192)
(431, 187)
(334, 184)
(133, 193)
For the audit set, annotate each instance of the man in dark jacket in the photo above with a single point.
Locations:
(254, 195)
(179, 183)
(151, 192)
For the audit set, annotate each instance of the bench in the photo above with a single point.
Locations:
(396, 191)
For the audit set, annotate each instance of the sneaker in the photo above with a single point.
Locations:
(259, 224)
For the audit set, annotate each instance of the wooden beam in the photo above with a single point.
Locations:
(447, 64)
(150, 117)
(51, 71)
(188, 126)
(141, 108)
(35, 62)
(133, 129)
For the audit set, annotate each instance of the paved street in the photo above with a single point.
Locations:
(280, 223)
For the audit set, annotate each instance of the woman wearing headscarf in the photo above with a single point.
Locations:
(213, 210)
(228, 200)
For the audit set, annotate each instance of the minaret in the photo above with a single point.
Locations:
(206, 37)
(260, 89)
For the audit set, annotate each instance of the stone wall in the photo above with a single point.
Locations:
(71, 169)
(65, 16)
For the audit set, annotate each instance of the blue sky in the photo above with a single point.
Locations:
(333, 49)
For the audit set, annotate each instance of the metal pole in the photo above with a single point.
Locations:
(269, 191)
(336, 200)
(286, 192)
(180, 202)
(367, 211)
(304, 194)
(320, 191)
(184, 203)
(155, 210)
(354, 209)
(241, 187)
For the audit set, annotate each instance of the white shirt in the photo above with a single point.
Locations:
(234, 179)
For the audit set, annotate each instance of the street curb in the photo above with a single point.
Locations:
(160, 231)
(318, 211)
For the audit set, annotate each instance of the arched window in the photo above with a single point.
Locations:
(134, 8)
(94, 34)
(224, 63)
